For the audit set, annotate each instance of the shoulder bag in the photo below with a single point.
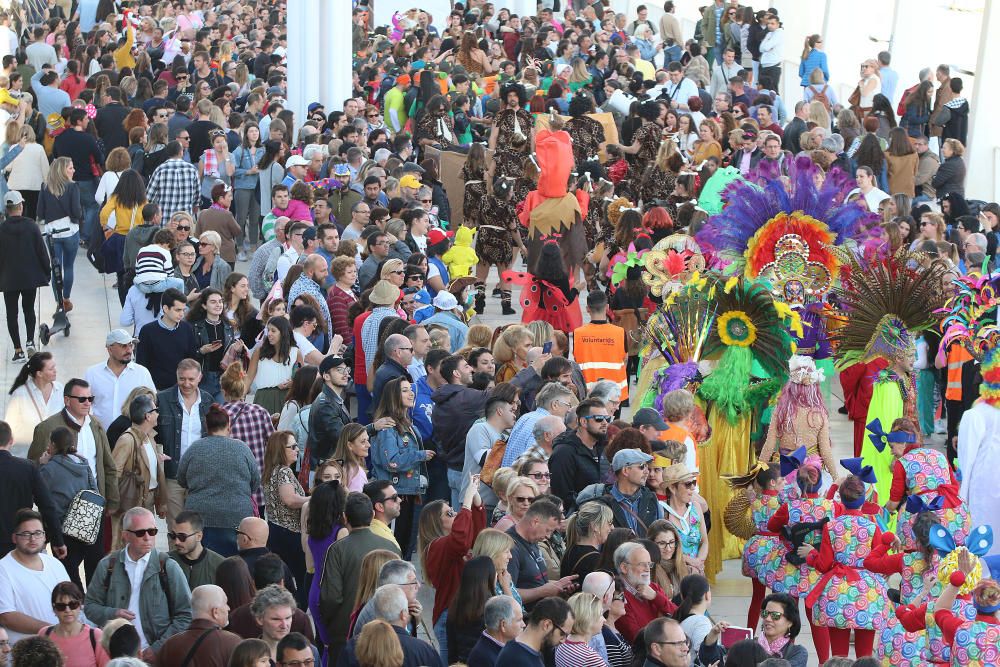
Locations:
(85, 514)
(493, 460)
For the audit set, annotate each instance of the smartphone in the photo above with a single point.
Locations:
(547, 348)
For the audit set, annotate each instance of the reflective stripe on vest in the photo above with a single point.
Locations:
(599, 349)
(957, 356)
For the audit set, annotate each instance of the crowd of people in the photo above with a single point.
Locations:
(303, 387)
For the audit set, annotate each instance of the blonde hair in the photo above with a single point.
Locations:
(57, 180)
(501, 478)
(479, 335)
(27, 132)
(587, 519)
(587, 609)
(818, 114)
(516, 483)
(118, 160)
(371, 565)
(541, 332)
(507, 342)
(134, 394)
(234, 382)
(677, 405)
(957, 148)
(493, 544)
(378, 646)
(214, 238)
(391, 265)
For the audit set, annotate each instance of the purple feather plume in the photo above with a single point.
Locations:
(676, 376)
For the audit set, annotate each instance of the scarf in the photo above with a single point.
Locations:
(775, 647)
(216, 206)
(211, 163)
(444, 131)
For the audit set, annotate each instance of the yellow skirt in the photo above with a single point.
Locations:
(726, 452)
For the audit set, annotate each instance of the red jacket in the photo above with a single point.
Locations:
(445, 556)
(639, 612)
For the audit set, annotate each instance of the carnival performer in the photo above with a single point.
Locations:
(587, 132)
(796, 578)
(547, 294)
(974, 643)
(513, 134)
(473, 175)
(885, 304)
(922, 481)
(848, 597)
(800, 418)
(496, 238)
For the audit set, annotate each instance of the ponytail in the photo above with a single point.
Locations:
(694, 588)
(35, 365)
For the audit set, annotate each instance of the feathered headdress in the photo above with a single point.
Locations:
(671, 263)
(625, 264)
(971, 319)
(885, 303)
(749, 327)
(785, 237)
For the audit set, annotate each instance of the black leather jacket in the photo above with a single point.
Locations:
(203, 336)
(326, 420)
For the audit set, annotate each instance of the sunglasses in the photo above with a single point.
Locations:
(183, 537)
(83, 399)
(604, 419)
(773, 615)
(63, 606)
(523, 499)
(450, 513)
(142, 532)
(541, 475)
(184, 229)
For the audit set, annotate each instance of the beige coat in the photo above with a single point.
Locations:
(129, 444)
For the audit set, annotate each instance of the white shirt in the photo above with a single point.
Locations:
(29, 591)
(421, 242)
(979, 456)
(135, 569)
(111, 390)
(150, 452)
(27, 408)
(86, 448)
(681, 92)
(190, 421)
(285, 262)
(772, 48)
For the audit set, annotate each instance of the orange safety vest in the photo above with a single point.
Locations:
(957, 356)
(599, 349)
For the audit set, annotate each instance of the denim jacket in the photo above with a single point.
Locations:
(401, 459)
(245, 159)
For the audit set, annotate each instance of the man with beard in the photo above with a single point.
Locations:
(634, 506)
(578, 456)
(644, 600)
(113, 380)
(549, 624)
(329, 415)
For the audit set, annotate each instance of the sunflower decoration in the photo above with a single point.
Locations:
(751, 328)
(787, 238)
(886, 302)
(671, 263)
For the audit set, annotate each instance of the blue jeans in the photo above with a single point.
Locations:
(220, 540)
(65, 255)
(672, 54)
(210, 384)
(455, 483)
(441, 634)
(364, 403)
(91, 211)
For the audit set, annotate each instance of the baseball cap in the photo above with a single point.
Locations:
(649, 417)
(13, 198)
(330, 363)
(309, 235)
(315, 105)
(409, 181)
(119, 336)
(296, 161)
(628, 457)
(435, 236)
(412, 168)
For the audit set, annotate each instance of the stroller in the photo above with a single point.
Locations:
(60, 322)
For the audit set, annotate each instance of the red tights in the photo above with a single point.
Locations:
(753, 614)
(840, 640)
(820, 636)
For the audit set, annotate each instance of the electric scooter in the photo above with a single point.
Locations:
(60, 322)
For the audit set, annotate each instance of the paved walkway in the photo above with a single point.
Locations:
(96, 312)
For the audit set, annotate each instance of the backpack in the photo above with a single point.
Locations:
(162, 575)
(820, 96)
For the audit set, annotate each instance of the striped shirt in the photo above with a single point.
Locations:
(152, 264)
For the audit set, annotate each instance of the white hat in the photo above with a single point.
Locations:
(445, 301)
(802, 370)
(296, 161)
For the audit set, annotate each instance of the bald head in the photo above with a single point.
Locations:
(601, 586)
(313, 262)
(206, 598)
(254, 533)
(398, 348)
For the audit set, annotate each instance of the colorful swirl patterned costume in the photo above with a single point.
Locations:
(928, 476)
(691, 537)
(763, 543)
(848, 596)
(898, 647)
(780, 575)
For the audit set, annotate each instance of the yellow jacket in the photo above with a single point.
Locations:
(461, 258)
(125, 218)
(123, 54)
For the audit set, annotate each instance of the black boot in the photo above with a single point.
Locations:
(505, 303)
(480, 304)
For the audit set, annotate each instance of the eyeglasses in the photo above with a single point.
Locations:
(663, 544)
(240, 532)
(308, 662)
(690, 484)
(185, 228)
(604, 419)
(63, 606)
(426, 201)
(373, 115)
(394, 498)
(450, 513)
(30, 534)
(561, 631)
(185, 138)
(216, 133)
(293, 447)
(185, 254)
(773, 615)
(618, 597)
(397, 273)
(183, 537)
(684, 644)
(643, 566)
(523, 499)
(541, 475)
(143, 532)
(83, 399)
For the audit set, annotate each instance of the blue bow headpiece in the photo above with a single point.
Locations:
(792, 462)
(880, 438)
(916, 504)
(866, 473)
(978, 543)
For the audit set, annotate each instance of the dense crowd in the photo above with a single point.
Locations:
(304, 387)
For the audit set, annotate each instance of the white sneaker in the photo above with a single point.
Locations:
(940, 426)
(241, 256)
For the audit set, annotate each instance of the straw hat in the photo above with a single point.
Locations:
(677, 474)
